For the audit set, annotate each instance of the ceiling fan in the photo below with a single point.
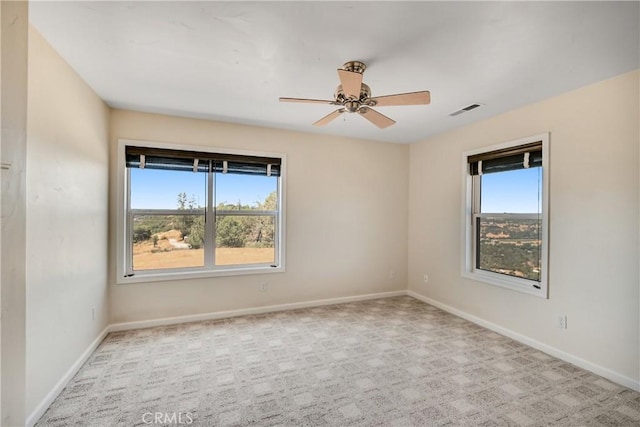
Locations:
(353, 96)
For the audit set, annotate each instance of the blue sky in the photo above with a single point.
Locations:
(514, 191)
(158, 189)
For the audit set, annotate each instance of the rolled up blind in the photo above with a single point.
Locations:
(513, 158)
(195, 161)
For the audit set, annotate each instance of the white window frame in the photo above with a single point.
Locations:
(124, 243)
(470, 199)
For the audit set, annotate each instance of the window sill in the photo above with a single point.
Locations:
(200, 274)
(507, 282)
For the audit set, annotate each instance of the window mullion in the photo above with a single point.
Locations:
(476, 186)
(210, 227)
(175, 212)
(245, 213)
(276, 226)
(128, 227)
(475, 213)
(508, 215)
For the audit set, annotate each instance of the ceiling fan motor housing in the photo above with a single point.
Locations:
(354, 67)
(351, 104)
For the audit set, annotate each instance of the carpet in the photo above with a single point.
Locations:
(386, 362)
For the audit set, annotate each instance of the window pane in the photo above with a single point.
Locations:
(162, 189)
(510, 246)
(167, 241)
(245, 239)
(244, 192)
(517, 191)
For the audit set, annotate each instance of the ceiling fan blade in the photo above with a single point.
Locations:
(412, 98)
(351, 82)
(308, 101)
(329, 117)
(376, 118)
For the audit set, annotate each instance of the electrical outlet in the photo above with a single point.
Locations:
(264, 287)
(392, 274)
(426, 278)
(562, 322)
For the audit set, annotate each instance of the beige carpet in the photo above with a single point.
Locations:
(386, 362)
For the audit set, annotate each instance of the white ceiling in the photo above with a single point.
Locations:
(231, 61)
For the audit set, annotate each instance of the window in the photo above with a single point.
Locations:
(196, 213)
(506, 215)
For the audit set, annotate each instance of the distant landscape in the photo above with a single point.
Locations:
(177, 241)
(511, 246)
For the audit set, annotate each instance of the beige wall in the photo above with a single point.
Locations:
(594, 233)
(12, 285)
(346, 220)
(67, 218)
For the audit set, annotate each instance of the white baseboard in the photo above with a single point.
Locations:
(246, 311)
(584, 364)
(62, 383)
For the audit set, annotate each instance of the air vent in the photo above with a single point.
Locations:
(465, 109)
(471, 107)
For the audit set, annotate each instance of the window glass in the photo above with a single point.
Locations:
(510, 244)
(168, 241)
(245, 192)
(516, 191)
(164, 241)
(245, 239)
(167, 189)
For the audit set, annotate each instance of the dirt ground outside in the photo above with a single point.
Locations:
(169, 250)
(182, 258)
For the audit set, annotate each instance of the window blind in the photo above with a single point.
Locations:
(513, 158)
(195, 161)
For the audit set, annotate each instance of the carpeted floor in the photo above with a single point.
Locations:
(386, 362)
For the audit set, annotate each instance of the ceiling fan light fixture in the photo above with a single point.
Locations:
(352, 106)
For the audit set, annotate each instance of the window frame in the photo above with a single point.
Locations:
(124, 242)
(471, 212)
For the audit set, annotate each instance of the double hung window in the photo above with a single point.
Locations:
(506, 215)
(198, 213)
